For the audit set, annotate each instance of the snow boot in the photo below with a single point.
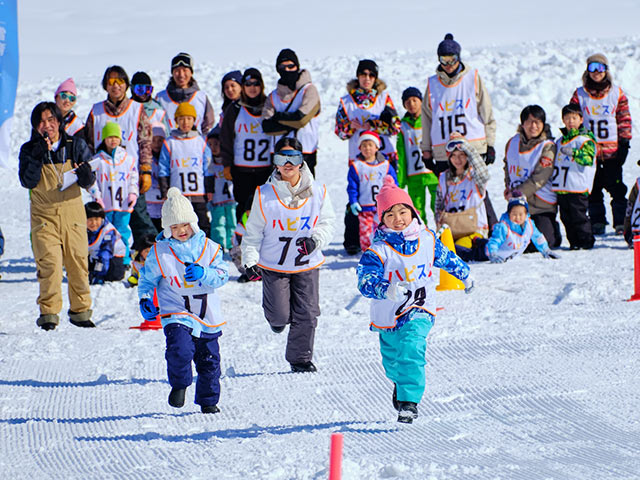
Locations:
(303, 367)
(598, 228)
(48, 321)
(81, 319)
(277, 329)
(243, 278)
(407, 412)
(394, 399)
(209, 409)
(176, 397)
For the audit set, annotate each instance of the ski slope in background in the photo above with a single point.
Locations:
(533, 375)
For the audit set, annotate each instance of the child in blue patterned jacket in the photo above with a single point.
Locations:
(397, 273)
(186, 268)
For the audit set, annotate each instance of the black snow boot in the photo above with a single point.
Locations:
(394, 399)
(303, 367)
(209, 409)
(407, 412)
(48, 321)
(81, 319)
(176, 397)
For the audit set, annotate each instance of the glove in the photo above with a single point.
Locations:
(623, 150)
(397, 291)
(496, 259)
(85, 175)
(549, 254)
(193, 272)
(355, 208)
(226, 171)
(306, 245)
(491, 156)
(387, 115)
(145, 178)
(469, 284)
(253, 273)
(148, 310)
(132, 198)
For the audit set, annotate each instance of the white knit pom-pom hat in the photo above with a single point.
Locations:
(177, 209)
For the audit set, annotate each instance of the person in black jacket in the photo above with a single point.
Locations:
(58, 220)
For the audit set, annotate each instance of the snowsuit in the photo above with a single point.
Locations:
(106, 254)
(58, 221)
(403, 335)
(364, 180)
(611, 154)
(534, 183)
(280, 215)
(294, 113)
(418, 178)
(191, 321)
(245, 148)
(184, 163)
(508, 239)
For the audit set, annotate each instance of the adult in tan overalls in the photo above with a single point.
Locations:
(58, 221)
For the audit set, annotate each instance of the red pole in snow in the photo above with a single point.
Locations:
(335, 457)
(636, 268)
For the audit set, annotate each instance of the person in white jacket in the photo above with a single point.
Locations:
(291, 220)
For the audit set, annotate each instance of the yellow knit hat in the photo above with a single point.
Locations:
(185, 109)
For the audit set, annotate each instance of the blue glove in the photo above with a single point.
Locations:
(193, 272)
(496, 259)
(148, 310)
(355, 208)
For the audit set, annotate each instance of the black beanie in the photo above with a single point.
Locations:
(252, 74)
(287, 54)
(411, 92)
(367, 64)
(141, 78)
(94, 210)
(449, 46)
(182, 60)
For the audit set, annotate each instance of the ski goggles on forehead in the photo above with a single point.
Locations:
(67, 96)
(142, 90)
(448, 60)
(454, 145)
(283, 157)
(597, 67)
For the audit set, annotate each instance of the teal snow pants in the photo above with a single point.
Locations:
(403, 356)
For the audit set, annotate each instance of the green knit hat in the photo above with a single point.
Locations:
(111, 129)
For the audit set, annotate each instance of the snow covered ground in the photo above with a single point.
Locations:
(533, 375)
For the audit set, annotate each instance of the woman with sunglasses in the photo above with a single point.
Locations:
(367, 106)
(291, 221)
(182, 87)
(65, 98)
(606, 113)
(244, 147)
(141, 91)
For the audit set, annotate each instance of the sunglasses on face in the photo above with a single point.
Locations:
(116, 81)
(68, 96)
(252, 83)
(597, 67)
(448, 60)
(288, 66)
(367, 74)
(142, 90)
(283, 157)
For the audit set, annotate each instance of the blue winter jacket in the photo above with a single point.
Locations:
(371, 279)
(106, 249)
(215, 275)
(500, 230)
(353, 182)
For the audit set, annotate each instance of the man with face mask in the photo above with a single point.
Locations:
(291, 110)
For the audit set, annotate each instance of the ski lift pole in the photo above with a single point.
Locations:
(636, 268)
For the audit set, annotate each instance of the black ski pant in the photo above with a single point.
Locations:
(351, 232)
(140, 221)
(608, 177)
(573, 213)
(292, 298)
(245, 182)
(200, 207)
(549, 227)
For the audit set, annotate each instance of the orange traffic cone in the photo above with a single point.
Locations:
(447, 281)
(154, 324)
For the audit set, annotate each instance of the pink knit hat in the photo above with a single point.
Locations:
(67, 86)
(369, 135)
(390, 194)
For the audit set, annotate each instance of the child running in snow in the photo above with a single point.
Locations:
(412, 171)
(397, 273)
(512, 234)
(365, 177)
(184, 164)
(106, 248)
(186, 268)
(116, 187)
(222, 205)
(573, 176)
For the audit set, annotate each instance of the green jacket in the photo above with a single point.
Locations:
(586, 154)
